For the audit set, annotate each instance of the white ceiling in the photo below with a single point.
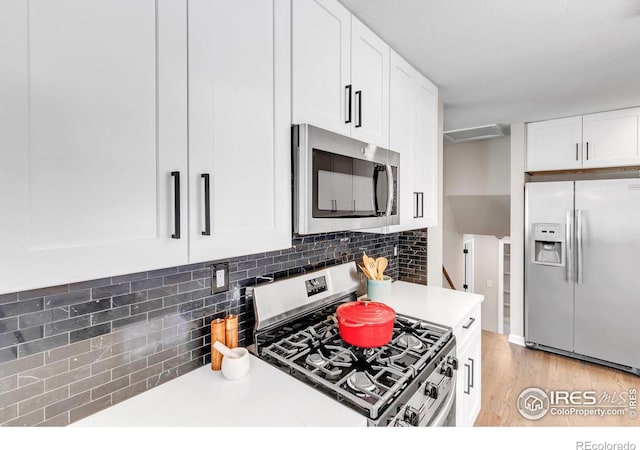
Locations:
(506, 61)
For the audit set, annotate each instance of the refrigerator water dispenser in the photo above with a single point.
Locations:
(549, 244)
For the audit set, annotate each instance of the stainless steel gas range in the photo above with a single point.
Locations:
(408, 382)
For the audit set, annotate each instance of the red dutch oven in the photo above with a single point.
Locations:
(365, 323)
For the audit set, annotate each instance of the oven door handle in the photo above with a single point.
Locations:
(444, 413)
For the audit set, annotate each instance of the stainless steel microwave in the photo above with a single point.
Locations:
(340, 183)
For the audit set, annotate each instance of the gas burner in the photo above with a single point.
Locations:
(360, 381)
(410, 341)
(316, 360)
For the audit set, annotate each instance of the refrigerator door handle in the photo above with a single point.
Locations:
(579, 244)
(569, 247)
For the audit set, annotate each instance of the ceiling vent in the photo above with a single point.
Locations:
(473, 134)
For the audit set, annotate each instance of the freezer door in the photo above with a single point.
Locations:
(548, 288)
(607, 300)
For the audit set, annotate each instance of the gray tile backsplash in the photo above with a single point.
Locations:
(68, 351)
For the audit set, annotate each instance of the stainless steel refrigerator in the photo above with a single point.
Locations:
(582, 270)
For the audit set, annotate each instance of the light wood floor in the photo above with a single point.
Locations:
(508, 369)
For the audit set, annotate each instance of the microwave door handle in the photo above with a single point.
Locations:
(389, 190)
(375, 191)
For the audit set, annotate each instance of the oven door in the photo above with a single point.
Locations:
(446, 414)
(342, 184)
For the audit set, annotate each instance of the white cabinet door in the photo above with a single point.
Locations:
(425, 154)
(612, 138)
(370, 80)
(321, 52)
(469, 386)
(239, 127)
(554, 144)
(93, 123)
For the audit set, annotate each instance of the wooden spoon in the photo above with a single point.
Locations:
(382, 264)
(366, 272)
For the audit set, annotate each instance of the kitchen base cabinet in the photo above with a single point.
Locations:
(93, 104)
(469, 381)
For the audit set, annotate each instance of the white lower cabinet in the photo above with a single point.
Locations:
(469, 375)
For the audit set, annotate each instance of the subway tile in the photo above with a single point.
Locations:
(89, 408)
(162, 272)
(67, 378)
(126, 369)
(251, 264)
(20, 336)
(189, 366)
(8, 298)
(89, 307)
(190, 306)
(176, 299)
(10, 324)
(147, 306)
(163, 291)
(129, 277)
(128, 299)
(128, 392)
(41, 345)
(141, 329)
(43, 400)
(129, 321)
(163, 377)
(89, 284)
(31, 419)
(89, 332)
(177, 278)
(67, 404)
(128, 345)
(66, 299)
(61, 420)
(110, 291)
(110, 315)
(164, 312)
(191, 267)
(43, 317)
(43, 292)
(162, 356)
(43, 372)
(8, 413)
(176, 320)
(21, 307)
(176, 361)
(108, 388)
(63, 326)
(21, 393)
(203, 273)
(143, 285)
(110, 363)
(67, 351)
(144, 374)
(89, 382)
(20, 365)
(191, 286)
(8, 383)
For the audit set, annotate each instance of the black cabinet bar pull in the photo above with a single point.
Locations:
(347, 102)
(207, 206)
(576, 151)
(467, 390)
(359, 121)
(587, 151)
(176, 204)
(473, 375)
(421, 204)
(415, 206)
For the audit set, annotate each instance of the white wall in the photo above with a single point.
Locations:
(517, 232)
(452, 248)
(485, 278)
(435, 235)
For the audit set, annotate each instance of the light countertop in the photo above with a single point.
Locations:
(267, 396)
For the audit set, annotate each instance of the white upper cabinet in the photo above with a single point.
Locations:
(370, 81)
(611, 138)
(554, 144)
(340, 72)
(606, 139)
(93, 123)
(321, 50)
(239, 127)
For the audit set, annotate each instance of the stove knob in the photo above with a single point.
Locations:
(411, 416)
(431, 390)
(447, 370)
(453, 361)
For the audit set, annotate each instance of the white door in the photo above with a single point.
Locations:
(370, 80)
(321, 58)
(554, 144)
(425, 154)
(239, 127)
(612, 138)
(93, 123)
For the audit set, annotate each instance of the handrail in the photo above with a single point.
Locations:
(449, 280)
